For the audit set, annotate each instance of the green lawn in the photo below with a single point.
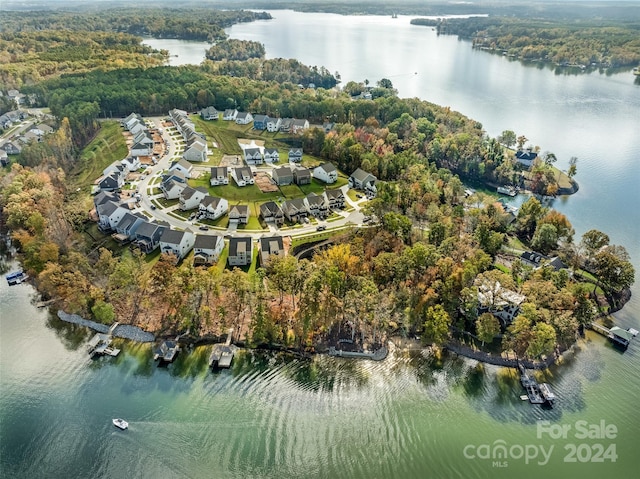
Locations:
(351, 193)
(291, 191)
(233, 192)
(108, 146)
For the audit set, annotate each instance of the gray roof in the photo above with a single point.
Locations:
(260, 118)
(294, 204)
(188, 192)
(334, 193)
(210, 200)
(270, 208)
(147, 229)
(172, 236)
(295, 151)
(183, 163)
(315, 200)
(241, 210)
(107, 208)
(328, 167)
(207, 241)
(242, 245)
(271, 244)
(217, 171)
(302, 173)
(361, 175)
(252, 151)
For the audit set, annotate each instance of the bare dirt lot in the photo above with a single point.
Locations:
(231, 161)
(263, 181)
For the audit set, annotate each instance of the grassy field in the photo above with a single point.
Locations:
(233, 192)
(108, 146)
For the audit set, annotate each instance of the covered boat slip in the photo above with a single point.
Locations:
(617, 335)
(100, 344)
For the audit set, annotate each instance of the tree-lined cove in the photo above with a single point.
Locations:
(432, 263)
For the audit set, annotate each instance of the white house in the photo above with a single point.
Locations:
(109, 215)
(273, 124)
(253, 156)
(196, 151)
(271, 155)
(219, 175)
(181, 166)
(242, 176)
(212, 207)
(298, 126)
(178, 243)
(230, 114)
(171, 189)
(326, 172)
(501, 302)
(361, 180)
(190, 198)
(207, 249)
(244, 118)
(132, 163)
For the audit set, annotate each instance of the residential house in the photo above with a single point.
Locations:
(109, 215)
(335, 198)
(295, 155)
(132, 163)
(282, 176)
(242, 176)
(181, 166)
(190, 198)
(286, 125)
(298, 126)
(301, 176)
(526, 157)
(326, 172)
(501, 302)
(295, 209)
(244, 118)
(209, 113)
(44, 128)
(253, 156)
(273, 124)
(327, 127)
(207, 249)
(271, 213)
(12, 148)
(142, 148)
(30, 137)
(4, 158)
(212, 207)
(148, 236)
(127, 226)
(196, 151)
(137, 127)
(178, 243)
(131, 120)
(271, 155)
(104, 196)
(270, 247)
(317, 205)
(240, 251)
(112, 181)
(260, 122)
(175, 176)
(361, 180)
(239, 214)
(144, 137)
(219, 176)
(532, 258)
(230, 114)
(172, 189)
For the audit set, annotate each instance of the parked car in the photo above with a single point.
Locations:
(321, 228)
(153, 207)
(204, 228)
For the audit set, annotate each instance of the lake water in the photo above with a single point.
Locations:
(408, 416)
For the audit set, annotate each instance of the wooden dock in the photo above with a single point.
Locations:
(167, 351)
(222, 353)
(618, 336)
(536, 393)
(100, 344)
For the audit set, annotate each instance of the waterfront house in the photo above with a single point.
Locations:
(207, 249)
(244, 118)
(209, 113)
(260, 122)
(526, 157)
(317, 205)
(301, 176)
(182, 166)
(271, 213)
(239, 214)
(295, 155)
(177, 243)
(147, 236)
(271, 155)
(196, 151)
(190, 198)
(335, 198)
(230, 114)
(212, 207)
(219, 176)
(273, 124)
(240, 251)
(294, 210)
(326, 173)
(282, 176)
(269, 247)
(253, 156)
(242, 176)
(501, 302)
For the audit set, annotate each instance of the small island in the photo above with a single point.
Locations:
(299, 214)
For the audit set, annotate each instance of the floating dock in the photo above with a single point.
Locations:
(222, 353)
(618, 336)
(167, 351)
(100, 344)
(536, 393)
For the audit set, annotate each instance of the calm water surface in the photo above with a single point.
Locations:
(410, 416)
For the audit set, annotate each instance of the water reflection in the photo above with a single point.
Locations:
(72, 336)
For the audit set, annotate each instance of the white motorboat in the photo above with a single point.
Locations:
(120, 423)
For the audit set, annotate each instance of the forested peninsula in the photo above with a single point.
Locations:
(436, 260)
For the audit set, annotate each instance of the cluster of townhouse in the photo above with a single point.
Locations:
(195, 149)
(125, 226)
(15, 145)
(260, 122)
(142, 138)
